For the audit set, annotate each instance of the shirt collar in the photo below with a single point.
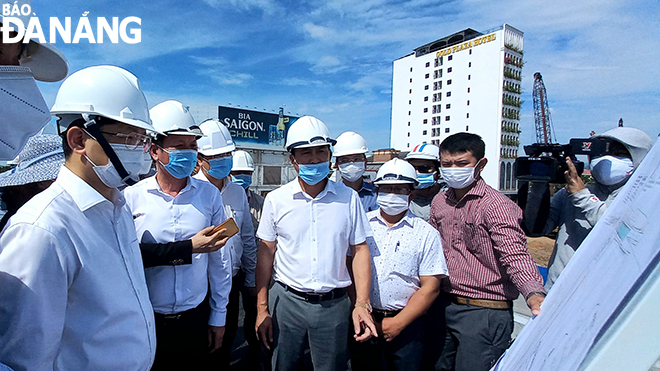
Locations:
(329, 188)
(407, 219)
(367, 187)
(479, 190)
(83, 194)
(152, 185)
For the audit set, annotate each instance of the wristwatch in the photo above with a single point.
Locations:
(366, 306)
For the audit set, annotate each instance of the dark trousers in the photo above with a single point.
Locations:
(404, 353)
(474, 338)
(220, 359)
(182, 339)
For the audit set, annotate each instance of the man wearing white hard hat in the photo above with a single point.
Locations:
(241, 174)
(73, 293)
(351, 161)
(172, 206)
(407, 265)
(426, 160)
(23, 110)
(215, 163)
(308, 229)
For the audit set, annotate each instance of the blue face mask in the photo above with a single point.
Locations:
(425, 180)
(220, 167)
(243, 180)
(182, 162)
(314, 173)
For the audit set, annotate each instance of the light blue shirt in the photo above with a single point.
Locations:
(73, 294)
(161, 218)
(400, 254)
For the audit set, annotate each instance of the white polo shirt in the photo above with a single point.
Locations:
(243, 245)
(399, 256)
(72, 289)
(161, 218)
(313, 235)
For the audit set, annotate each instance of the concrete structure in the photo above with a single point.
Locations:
(465, 82)
(253, 132)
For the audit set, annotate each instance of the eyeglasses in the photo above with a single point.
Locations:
(393, 189)
(133, 141)
(423, 169)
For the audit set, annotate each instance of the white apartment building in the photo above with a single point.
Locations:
(465, 82)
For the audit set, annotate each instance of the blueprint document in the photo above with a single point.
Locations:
(603, 271)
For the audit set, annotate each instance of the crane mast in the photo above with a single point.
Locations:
(542, 121)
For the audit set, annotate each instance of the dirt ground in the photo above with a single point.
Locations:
(540, 248)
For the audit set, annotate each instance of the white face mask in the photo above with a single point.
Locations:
(392, 203)
(458, 177)
(146, 163)
(610, 170)
(22, 108)
(351, 171)
(132, 160)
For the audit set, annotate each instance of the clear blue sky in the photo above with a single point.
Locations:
(333, 59)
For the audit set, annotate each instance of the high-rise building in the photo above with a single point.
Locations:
(465, 82)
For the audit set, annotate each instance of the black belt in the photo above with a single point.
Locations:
(312, 297)
(379, 314)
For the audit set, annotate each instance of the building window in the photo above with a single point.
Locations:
(449, 82)
(427, 76)
(446, 130)
(426, 121)
(408, 113)
(467, 116)
(424, 132)
(502, 174)
(449, 69)
(409, 102)
(410, 69)
(272, 175)
(426, 109)
(450, 57)
(411, 79)
(469, 76)
(408, 123)
(470, 51)
(428, 64)
(448, 94)
(426, 87)
(469, 64)
(468, 103)
(408, 134)
(446, 118)
(410, 91)
(467, 128)
(426, 99)
(448, 106)
(408, 145)
(468, 90)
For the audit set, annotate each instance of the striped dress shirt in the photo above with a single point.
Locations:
(485, 248)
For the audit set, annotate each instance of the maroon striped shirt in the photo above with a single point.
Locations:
(485, 248)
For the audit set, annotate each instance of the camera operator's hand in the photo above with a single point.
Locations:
(574, 182)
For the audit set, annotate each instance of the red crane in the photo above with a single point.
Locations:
(542, 121)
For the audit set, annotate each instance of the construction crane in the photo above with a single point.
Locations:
(542, 121)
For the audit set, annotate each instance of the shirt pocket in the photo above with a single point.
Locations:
(472, 237)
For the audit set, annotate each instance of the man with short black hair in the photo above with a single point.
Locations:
(425, 158)
(488, 262)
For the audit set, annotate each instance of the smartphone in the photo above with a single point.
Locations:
(230, 225)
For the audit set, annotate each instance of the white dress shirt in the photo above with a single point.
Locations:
(73, 294)
(399, 256)
(243, 245)
(161, 218)
(313, 234)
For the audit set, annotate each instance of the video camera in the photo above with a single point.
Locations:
(547, 162)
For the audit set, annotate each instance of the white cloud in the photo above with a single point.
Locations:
(269, 7)
(295, 81)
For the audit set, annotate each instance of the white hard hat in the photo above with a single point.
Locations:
(216, 138)
(171, 117)
(350, 143)
(396, 171)
(424, 152)
(106, 91)
(242, 161)
(308, 131)
(46, 61)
